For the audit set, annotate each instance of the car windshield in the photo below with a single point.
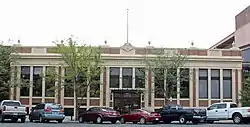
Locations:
(107, 109)
(53, 106)
(11, 103)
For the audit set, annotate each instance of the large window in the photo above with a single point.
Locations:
(50, 82)
(203, 83)
(37, 81)
(127, 76)
(159, 83)
(184, 83)
(25, 78)
(139, 77)
(114, 76)
(95, 86)
(215, 83)
(68, 84)
(171, 81)
(227, 83)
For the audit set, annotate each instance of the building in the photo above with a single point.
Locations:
(240, 37)
(215, 76)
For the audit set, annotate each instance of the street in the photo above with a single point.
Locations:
(75, 124)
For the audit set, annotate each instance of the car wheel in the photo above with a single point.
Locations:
(1, 118)
(59, 121)
(41, 120)
(122, 121)
(142, 120)
(237, 118)
(81, 120)
(31, 120)
(182, 119)
(98, 120)
(113, 121)
(23, 120)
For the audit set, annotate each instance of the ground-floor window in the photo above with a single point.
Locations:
(203, 83)
(227, 83)
(215, 83)
(184, 82)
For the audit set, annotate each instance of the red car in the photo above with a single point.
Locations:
(99, 114)
(140, 115)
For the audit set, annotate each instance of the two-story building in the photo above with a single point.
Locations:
(215, 76)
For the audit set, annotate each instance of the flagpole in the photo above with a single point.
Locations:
(127, 26)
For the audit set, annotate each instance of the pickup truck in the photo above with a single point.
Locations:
(11, 109)
(228, 111)
(174, 112)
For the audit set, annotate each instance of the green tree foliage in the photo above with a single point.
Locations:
(8, 71)
(245, 93)
(83, 65)
(164, 68)
(5, 61)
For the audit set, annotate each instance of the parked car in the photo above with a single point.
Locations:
(228, 111)
(174, 112)
(46, 112)
(11, 109)
(99, 114)
(140, 115)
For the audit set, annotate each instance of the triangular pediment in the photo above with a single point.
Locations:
(127, 47)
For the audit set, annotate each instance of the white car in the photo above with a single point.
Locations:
(11, 109)
(228, 111)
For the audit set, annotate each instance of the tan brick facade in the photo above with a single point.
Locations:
(133, 57)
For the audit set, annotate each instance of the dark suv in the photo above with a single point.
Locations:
(99, 114)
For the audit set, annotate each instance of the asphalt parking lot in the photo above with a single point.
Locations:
(76, 124)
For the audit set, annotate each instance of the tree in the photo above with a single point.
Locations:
(84, 64)
(164, 67)
(8, 71)
(245, 93)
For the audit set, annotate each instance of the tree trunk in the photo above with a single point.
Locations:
(75, 102)
(166, 99)
(76, 109)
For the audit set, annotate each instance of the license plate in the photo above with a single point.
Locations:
(156, 118)
(55, 113)
(15, 114)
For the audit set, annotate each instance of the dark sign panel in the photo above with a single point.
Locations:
(246, 55)
(246, 71)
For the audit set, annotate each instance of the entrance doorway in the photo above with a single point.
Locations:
(126, 100)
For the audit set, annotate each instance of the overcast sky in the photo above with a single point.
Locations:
(168, 23)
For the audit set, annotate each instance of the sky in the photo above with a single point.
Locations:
(166, 23)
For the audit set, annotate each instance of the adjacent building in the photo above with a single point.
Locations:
(240, 38)
(215, 76)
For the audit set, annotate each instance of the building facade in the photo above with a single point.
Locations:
(215, 76)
